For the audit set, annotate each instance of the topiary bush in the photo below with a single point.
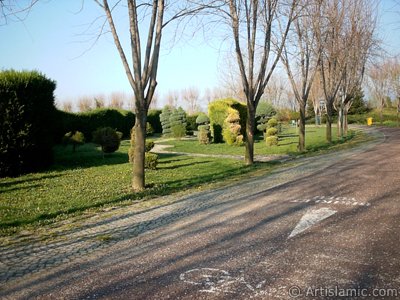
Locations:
(271, 140)
(272, 131)
(232, 129)
(218, 111)
(107, 138)
(191, 124)
(264, 112)
(74, 138)
(150, 161)
(273, 122)
(178, 123)
(27, 122)
(165, 121)
(149, 145)
(202, 119)
(203, 134)
(203, 129)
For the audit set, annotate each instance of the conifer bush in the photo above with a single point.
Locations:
(107, 138)
(203, 129)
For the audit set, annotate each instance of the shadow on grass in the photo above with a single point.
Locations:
(183, 165)
(152, 191)
(85, 157)
(12, 181)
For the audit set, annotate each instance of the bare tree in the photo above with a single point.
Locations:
(208, 96)
(66, 106)
(117, 100)
(301, 61)
(142, 72)
(254, 31)
(191, 96)
(154, 102)
(316, 96)
(360, 29)
(395, 83)
(15, 10)
(172, 98)
(379, 84)
(275, 90)
(99, 101)
(332, 42)
(85, 104)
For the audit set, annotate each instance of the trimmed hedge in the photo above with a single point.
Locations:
(27, 116)
(88, 122)
(153, 117)
(218, 111)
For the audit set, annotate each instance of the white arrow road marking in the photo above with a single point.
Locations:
(311, 218)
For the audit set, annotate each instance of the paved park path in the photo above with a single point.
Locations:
(324, 225)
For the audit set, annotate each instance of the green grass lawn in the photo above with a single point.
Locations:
(390, 117)
(288, 140)
(85, 180)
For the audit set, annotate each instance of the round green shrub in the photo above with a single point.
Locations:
(150, 161)
(273, 122)
(272, 131)
(271, 140)
(74, 138)
(262, 127)
(107, 138)
(202, 119)
(149, 146)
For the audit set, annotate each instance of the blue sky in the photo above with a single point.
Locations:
(50, 40)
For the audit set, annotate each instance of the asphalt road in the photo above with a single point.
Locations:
(328, 228)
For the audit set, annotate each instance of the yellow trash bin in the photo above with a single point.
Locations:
(369, 121)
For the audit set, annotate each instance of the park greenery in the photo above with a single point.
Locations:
(42, 179)
(96, 173)
(86, 180)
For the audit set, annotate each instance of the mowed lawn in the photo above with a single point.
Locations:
(87, 180)
(288, 140)
(84, 180)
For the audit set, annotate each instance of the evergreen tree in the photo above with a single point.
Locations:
(165, 121)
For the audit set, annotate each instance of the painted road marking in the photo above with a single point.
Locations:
(335, 200)
(311, 218)
(213, 280)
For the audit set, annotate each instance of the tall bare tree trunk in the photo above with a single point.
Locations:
(302, 127)
(138, 180)
(345, 120)
(329, 110)
(250, 125)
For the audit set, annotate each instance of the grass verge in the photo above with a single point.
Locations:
(85, 181)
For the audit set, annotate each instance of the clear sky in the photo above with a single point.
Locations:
(52, 40)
